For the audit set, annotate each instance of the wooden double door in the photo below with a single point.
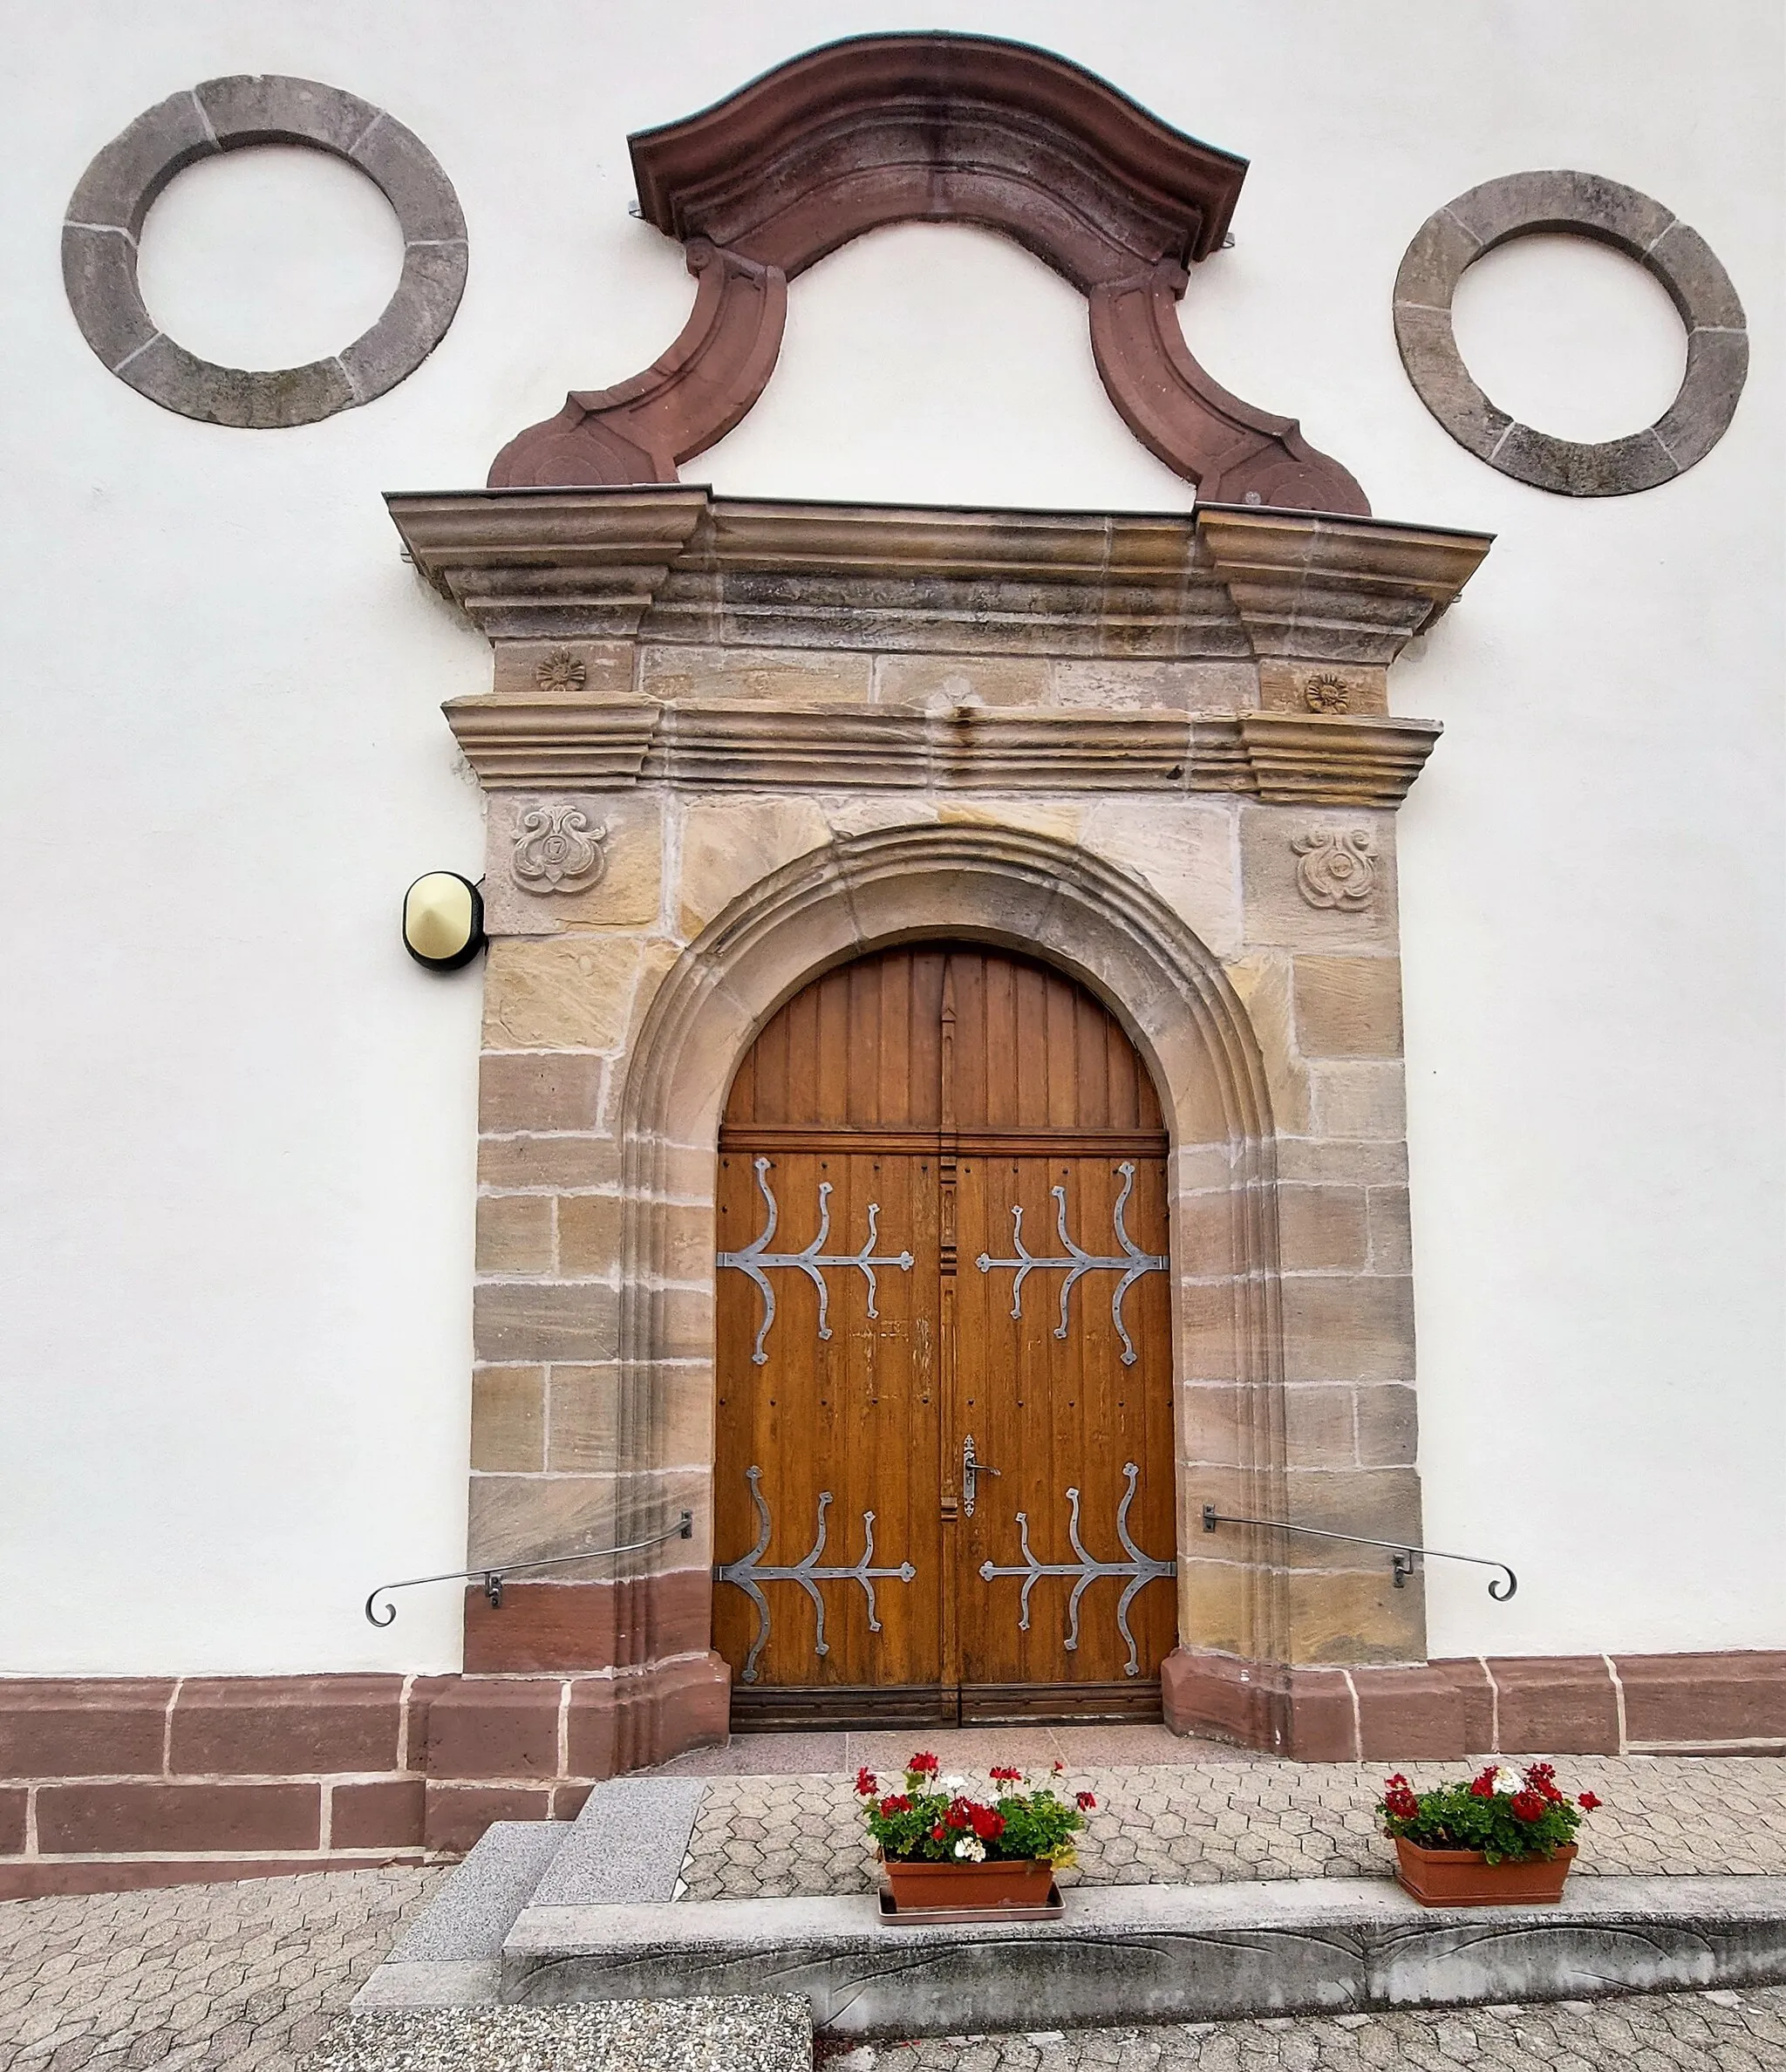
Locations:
(944, 1455)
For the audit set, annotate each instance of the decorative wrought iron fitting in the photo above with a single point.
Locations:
(1141, 1569)
(756, 1260)
(1132, 1264)
(748, 1573)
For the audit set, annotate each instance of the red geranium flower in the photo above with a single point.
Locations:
(1007, 1776)
(987, 1824)
(1085, 1802)
(898, 1803)
(1059, 1767)
(1483, 1785)
(924, 1765)
(957, 1815)
(1587, 1801)
(1527, 1805)
(866, 1783)
(937, 1833)
(1400, 1803)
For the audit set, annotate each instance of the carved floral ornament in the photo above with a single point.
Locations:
(556, 849)
(1337, 868)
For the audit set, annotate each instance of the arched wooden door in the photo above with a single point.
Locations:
(944, 1455)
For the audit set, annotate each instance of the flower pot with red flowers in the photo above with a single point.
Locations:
(1504, 1838)
(946, 1850)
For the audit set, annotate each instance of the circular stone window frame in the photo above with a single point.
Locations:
(1581, 205)
(105, 216)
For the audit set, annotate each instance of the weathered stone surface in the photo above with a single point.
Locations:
(588, 1234)
(1717, 366)
(1348, 1007)
(945, 681)
(585, 1418)
(565, 994)
(726, 845)
(122, 183)
(1153, 1954)
(1361, 1098)
(1187, 850)
(509, 1420)
(544, 1320)
(1325, 1227)
(1392, 1245)
(1588, 205)
(514, 1233)
(756, 675)
(1348, 1328)
(1356, 1616)
(1261, 980)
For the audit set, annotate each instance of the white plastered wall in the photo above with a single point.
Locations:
(239, 1123)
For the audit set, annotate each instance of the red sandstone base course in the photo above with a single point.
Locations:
(108, 1783)
(1727, 1704)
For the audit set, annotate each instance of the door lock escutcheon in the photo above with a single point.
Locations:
(972, 1466)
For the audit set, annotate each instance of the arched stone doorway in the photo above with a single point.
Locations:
(942, 1362)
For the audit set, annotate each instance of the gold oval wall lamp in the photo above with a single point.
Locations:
(443, 921)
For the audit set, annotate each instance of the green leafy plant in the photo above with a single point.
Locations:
(1510, 1816)
(935, 1820)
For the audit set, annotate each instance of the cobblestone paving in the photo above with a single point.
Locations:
(242, 1975)
(1200, 1824)
(1703, 2032)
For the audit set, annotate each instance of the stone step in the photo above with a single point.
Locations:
(761, 2034)
(1158, 1953)
(552, 1917)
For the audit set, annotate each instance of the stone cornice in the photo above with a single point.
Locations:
(673, 565)
(563, 744)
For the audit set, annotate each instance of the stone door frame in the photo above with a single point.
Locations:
(753, 741)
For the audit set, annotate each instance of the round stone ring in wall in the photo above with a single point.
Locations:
(106, 218)
(1586, 206)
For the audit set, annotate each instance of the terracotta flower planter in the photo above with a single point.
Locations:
(1464, 1877)
(929, 1887)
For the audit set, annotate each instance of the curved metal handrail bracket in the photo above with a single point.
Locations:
(932, 127)
(1404, 1555)
(492, 1577)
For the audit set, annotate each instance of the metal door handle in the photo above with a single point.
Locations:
(970, 1468)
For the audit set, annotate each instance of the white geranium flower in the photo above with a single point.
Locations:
(956, 1787)
(972, 1848)
(1506, 1782)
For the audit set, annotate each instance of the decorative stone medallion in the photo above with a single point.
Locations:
(556, 849)
(1337, 868)
(1584, 205)
(118, 190)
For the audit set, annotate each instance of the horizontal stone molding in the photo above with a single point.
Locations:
(1724, 1703)
(520, 743)
(673, 565)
